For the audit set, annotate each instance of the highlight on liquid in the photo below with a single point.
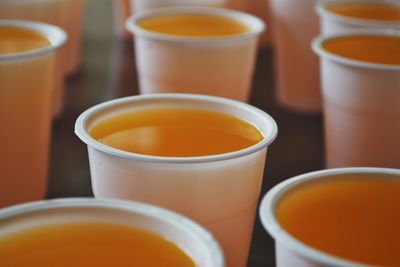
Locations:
(16, 40)
(378, 49)
(351, 216)
(174, 132)
(193, 25)
(89, 244)
(366, 10)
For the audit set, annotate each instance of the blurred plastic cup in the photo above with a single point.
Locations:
(344, 16)
(141, 5)
(27, 84)
(47, 11)
(290, 250)
(259, 8)
(73, 59)
(219, 191)
(295, 25)
(220, 66)
(361, 103)
(121, 12)
(188, 236)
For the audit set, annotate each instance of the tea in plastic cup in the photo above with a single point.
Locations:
(27, 62)
(141, 5)
(344, 16)
(360, 76)
(336, 217)
(259, 8)
(93, 233)
(46, 11)
(218, 58)
(121, 12)
(76, 9)
(185, 153)
(297, 70)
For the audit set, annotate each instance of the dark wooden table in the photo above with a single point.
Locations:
(108, 72)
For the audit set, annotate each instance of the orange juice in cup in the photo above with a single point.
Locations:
(53, 12)
(344, 16)
(382, 10)
(201, 156)
(92, 233)
(27, 63)
(335, 217)
(196, 50)
(360, 74)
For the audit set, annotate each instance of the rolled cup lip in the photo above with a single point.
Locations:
(179, 221)
(270, 223)
(56, 36)
(321, 10)
(318, 41)
(82, 133)
(256, 25)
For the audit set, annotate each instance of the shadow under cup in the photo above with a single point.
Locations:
(219, 191)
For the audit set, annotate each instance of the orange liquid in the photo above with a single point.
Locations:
(368, 48)
(194, 25)
(89, 244)
(367, 11)
(13, 40)
(176, 133)
(355, 217)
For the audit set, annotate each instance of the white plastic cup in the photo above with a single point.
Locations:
(27, 84)
(290, 251)
(188, 236)
(76, 9)
(141, 5)
(52, 12)
(361, 109)
(259, 8)
(297, 71)
(221, 66)
(220, 192)
(332, 23)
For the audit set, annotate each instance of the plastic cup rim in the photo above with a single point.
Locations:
(81, 132)
(54, 34)
(272, 226)
(318, 41)
(256, 25)
(320, 9)
(179, 221)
